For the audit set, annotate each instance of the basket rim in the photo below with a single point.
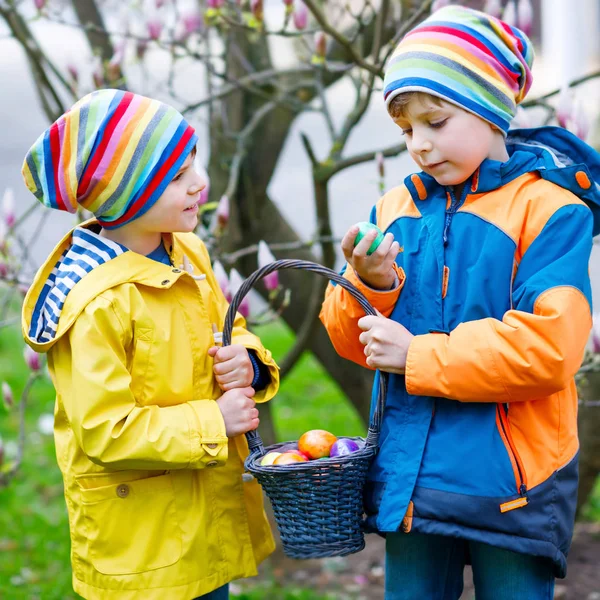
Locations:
(251, 463)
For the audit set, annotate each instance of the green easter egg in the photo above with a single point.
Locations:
(363, 228)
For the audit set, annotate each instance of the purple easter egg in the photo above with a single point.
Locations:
(343, 447)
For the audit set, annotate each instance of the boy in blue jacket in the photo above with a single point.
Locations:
(483, 288)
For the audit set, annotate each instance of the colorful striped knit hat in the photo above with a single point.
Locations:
(113, 153)
(465, 57)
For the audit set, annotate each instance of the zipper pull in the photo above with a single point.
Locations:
(523, 491)
(446, 227)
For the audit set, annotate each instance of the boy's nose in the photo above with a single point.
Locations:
(198, 185)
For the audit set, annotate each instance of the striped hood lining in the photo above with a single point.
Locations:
(88, 251)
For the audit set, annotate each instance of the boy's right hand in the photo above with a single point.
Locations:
(375, 270)
(238, 410)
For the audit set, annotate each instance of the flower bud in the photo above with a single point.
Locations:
(39, 4)
(154, 26)
(8, 206)
(300, 15)
(235, 282)
(32, 359)
(320, 44)
(257, 9)
(73, 72)
(222, 213)
(493, 8)
(380, 160)
(509, 16)
(222, 279)
(265, 257)
(7, 395)
(525, 16)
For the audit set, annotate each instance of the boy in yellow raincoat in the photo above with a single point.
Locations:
(150, 414)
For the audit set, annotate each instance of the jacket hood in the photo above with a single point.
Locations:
(555, 153)
(76, 256)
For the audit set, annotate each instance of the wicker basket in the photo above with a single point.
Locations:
(318, 505)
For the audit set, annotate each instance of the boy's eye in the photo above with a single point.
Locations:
(438, 124)
(178, 177)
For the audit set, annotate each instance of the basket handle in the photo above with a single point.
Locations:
(255, 443)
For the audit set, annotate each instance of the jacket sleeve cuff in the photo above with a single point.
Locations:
(383, 300)
(207, 434)
(424, 374)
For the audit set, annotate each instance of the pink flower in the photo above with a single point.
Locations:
(73, 72)
(222, 212)
(256, 6)
(437, 4)
(595, 335)
(32, 359)
(564, 107)
(320, 44)
(235, 282)
(288, 2)
(3, 270)
(525, 16)
(509, 16)
(39, 4)
(380, 160)
(160, 3)
(493, 8)
(8, 206)
(222, 278)
(154, 27)
(191, 23)
(265, 257)
(216, 4)
(7, 395)
(300, 15)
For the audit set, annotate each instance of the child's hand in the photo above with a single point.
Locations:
(375, 270)
(238, 410)
(386, 343)
(232, 366)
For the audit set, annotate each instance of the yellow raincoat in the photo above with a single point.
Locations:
(157, 505)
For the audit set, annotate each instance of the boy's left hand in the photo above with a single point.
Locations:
(386, 343)
(232, 366)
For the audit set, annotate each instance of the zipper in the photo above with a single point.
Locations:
(454, 206)
(515, 459)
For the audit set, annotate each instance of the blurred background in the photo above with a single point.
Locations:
(297, 146)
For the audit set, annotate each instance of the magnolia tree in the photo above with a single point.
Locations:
(246, 105)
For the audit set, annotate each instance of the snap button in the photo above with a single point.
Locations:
(247, 477)
(211, 446)
(212, 463)
(176, 270)
(164, 282)
(123, 490)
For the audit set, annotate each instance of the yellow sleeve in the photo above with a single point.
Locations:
(241, 335)
(89, 368)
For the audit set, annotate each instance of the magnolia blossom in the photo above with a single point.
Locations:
(189, 24)
(154, 26)
(235, 282)
(8, 206)
(288, 2)
(39, 4)
(265, 257)
(256, 6)
(222, 212)
(525, 16)
(300, 15)
(437, 4)
(3, 269)
(32, 359)
(380, 161)
(595, 334)
(73, 72)
(564, 107)
(222, 279)
(216, 4)
(493, 8)
(509, 16)
(7, 395)
(579, 124)
(320, 44)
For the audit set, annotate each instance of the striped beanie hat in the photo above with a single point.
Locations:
(465, 57)
(113, 153)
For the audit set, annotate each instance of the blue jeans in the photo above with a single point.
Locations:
(421, 566)
(221, 593)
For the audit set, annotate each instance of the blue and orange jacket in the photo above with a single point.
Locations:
(479, 437)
